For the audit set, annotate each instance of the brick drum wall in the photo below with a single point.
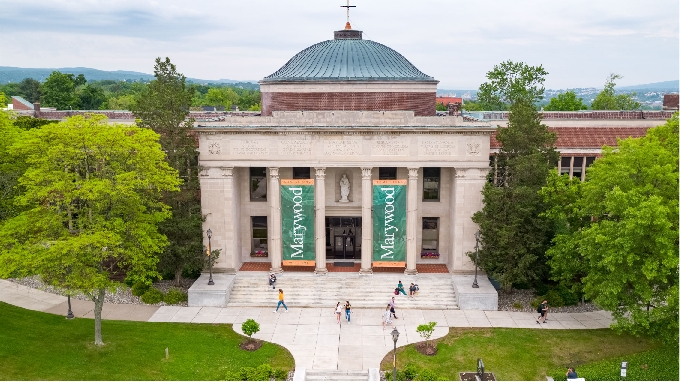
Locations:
(423, 104)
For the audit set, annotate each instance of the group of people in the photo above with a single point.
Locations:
(412, 289)
(348, 311)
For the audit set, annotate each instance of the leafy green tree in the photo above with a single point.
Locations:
(514, 237)
(92, 198)
(472, 106)
(123, 102)
(221, 97)
(164, 107)
(29, 89)
(250, 327)
(4, 100)
(566, 102)
(426, 330)
(607, 99)
(91, 97)
(511, 82)
(59, 90)
(623, 230)
(10, 168)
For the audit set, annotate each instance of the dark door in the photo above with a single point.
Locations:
(343, 238)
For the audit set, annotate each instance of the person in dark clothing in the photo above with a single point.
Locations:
(400, 288)
(571, 373)
(272, 281)
(544, 312)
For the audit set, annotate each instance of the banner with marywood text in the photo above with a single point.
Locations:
(297, 222)
(389, 223)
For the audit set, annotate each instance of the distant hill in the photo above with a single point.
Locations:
(665, 85)
(13, 74)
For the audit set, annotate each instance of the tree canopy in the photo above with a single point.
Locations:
(618, 232)
(511, 82)
(607, 99)
(91, 198)
(566, 102)
(58, 91)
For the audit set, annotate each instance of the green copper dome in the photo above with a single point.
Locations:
(348, 58)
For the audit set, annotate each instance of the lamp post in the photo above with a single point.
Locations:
(395, 338)
(210, 280)
(477, 234)
(69, 314)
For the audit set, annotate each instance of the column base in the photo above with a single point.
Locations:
(366, 271)
(410, 272)
(276, 270)
(320, 271)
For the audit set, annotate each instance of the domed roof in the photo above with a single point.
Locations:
(348, 58)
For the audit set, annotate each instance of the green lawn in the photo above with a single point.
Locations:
(519, 354)
(39, 346)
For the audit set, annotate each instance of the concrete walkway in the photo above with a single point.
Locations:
(312, 334)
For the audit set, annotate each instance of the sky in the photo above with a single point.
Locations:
(579, 42)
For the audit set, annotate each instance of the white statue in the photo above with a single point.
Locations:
(344, 189)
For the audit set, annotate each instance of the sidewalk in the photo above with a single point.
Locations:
(312, 334)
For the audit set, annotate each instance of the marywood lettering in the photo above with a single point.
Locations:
(390, 230)
(299, 230)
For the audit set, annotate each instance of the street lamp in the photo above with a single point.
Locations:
(69, 315)
(395, 338)
(477, 234)
(210, 280)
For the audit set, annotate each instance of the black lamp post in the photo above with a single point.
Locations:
(210, 280)
(395, 338)
(477, 234)
(69, 315)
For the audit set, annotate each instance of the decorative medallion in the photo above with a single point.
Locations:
(473, 149)
(215, 148)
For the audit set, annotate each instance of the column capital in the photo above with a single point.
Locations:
(274, 173)
(320, 172)
(227, 172)
(366, 173)
(413, 173)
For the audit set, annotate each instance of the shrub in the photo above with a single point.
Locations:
(519, 306)
(139, 288)
(261, 373)
(554, 298)
(152, 296)
(175, 296)
(128, 281)
(542, 289)
(427, 375)
(250, 327)
(569, 297)
(413, 373)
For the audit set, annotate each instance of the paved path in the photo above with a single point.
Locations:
(312, 334)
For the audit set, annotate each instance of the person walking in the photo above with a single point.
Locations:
(348, 311)
(281, 302)
(386, 317)
(543, 309)
(272, 281)
(338, 312)
(400, 288)
(391, 305)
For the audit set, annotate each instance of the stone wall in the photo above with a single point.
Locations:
(421, 103)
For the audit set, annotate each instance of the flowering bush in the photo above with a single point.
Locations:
(429, 255)
(259, 253)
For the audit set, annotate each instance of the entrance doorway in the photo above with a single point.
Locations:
(343, 238)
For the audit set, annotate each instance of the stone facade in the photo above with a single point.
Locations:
(333, 144)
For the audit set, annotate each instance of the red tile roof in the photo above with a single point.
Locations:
(587, 137)
(447, 100)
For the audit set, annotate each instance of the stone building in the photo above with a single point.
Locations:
(344, 123)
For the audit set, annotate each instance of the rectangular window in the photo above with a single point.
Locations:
(302, 173)
(589, 161)
(387, 173)
(565, 164)
(430, 244)
(431, 177)
(259, 234)
(578, 163)
(258, 183)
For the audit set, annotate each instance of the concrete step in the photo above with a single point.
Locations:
(336, 375)
(372, 291)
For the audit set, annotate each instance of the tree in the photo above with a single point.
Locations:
(30, 90)
(164, 107)
(511, 82)
(91, 97)
(10, 168)
(426, 330)
(92, 199)
(514, 237)
(250, 327)
(607, 99)
(221, 97)
(624, 233)
(566, 102)
(59, 90)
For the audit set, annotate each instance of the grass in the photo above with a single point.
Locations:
(40, 346)
(519, 354)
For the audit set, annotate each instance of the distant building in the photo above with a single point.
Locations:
(449, 100)
(19, 103)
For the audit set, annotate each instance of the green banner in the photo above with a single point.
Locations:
(389, 223)
(297, 221)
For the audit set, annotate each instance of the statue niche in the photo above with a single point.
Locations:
(344, 189)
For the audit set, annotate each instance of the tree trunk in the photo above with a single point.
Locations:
(178, 277)
(98, 305)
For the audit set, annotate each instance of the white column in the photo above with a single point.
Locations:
(320, 220)
(466, 199)
(213, 206)
(231, 254)
(583, 170)
(411, 220)
(366, 221)
(274, 196)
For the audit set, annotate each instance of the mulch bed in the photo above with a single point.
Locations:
(250, 345)
(425, 349)
(472, 376)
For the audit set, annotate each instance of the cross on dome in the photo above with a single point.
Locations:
(348, 26)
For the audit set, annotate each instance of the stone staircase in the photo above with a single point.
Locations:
(307, 290)
(336, 375)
